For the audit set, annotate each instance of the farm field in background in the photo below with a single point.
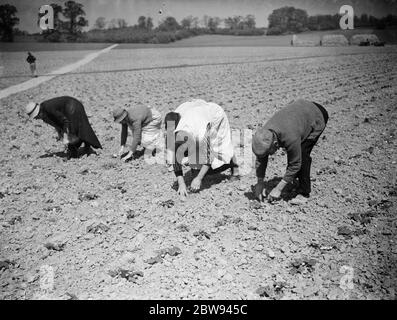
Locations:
(15, 69)
(104, 215)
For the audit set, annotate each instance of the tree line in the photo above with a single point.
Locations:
(292, 20)
(169, 29)
(171, 24)
(69, 21)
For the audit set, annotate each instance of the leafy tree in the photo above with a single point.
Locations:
(186, 23)
(169, 24)
(149, 23)
(250, 22)
(8, 20)
(364, 20)
(390, 20)
(142, 22)
(195, 22)
(213, 23)
(74, 12)
(19, 32)
(288, 19)
(234, 23)
(112, 24)
(192, 22)
(122, 23)
(100, 23)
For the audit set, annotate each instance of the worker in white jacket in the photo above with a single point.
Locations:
(199, 130)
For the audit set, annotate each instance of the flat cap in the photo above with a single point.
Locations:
(262, 141)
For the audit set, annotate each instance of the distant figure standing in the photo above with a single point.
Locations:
(31, 59)
(68, 117)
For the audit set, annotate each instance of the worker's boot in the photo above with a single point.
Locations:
(71, 152)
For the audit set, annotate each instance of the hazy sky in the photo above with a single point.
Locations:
(130, 10)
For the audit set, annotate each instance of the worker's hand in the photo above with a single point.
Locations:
(182, 190)
(196, 184)
(274, 195)
(259, 190)
(128, 156)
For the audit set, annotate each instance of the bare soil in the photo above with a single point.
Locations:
(113, 230)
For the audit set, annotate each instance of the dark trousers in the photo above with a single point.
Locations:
(222, 168)
(307, 147)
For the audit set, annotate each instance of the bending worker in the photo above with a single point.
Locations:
(297, 128)
(68, 117)
(201, 131)
(145, 124)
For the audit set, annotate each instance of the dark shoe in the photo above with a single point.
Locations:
(305, 194)
(71, 153)
(88, 150)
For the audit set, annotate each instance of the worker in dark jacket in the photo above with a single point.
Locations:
(68, 117)
(297, 128)
(31, 59)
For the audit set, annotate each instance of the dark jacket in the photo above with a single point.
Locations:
(30, 59)
(299, 121)
(67, 114)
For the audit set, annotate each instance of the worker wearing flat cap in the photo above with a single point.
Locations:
(68, 117)
(145, 125)
(297, 128)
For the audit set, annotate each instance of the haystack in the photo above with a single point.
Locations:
(333, 40)
(305, 41)
(358, 38)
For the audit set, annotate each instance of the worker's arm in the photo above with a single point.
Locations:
(294, 165)
(60, 119)
(124, 134)
(294, 157)
(123, 140)
(182, 190)
(260, 167)
(196, 183)
(60, 122)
